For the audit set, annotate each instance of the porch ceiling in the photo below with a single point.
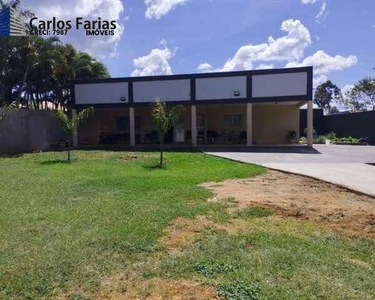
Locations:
(297, 103)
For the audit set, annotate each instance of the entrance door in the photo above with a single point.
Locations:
(179, 131)
(201, 128)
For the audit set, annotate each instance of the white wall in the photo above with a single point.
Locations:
(279, 85)
(166, 90)
(220, 88)
(101, 93)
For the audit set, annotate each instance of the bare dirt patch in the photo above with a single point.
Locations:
(183, 232)
(302, 198)
(157, 289)
(130, 287)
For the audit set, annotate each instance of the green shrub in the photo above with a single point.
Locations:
(240, 290)
(331, 136)
(315, 134)
(291, 135)
(321, 139)
(346, 140)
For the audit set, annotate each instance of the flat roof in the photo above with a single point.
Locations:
(308, 69)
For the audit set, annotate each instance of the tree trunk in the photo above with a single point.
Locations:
(161, 153)
(68, 151)
(22, 86)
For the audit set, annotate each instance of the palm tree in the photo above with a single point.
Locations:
(69, 124)
(34, 71)
(164, 120)
(86, 67)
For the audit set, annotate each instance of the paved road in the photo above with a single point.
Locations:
(346, 166)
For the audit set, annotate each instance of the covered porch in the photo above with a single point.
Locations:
(209, 125)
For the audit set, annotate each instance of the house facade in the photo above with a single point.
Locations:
(246, 108)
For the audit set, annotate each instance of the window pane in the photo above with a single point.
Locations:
(137, 122)
(122, 123)
(200, 120)
(233, 120)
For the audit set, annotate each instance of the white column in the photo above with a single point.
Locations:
(310, 124)
(75, 130)
(193, 125)
(132, 126)
(249, 124)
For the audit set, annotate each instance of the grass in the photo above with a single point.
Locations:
(68, 225)
(276, 258)
(65, 227)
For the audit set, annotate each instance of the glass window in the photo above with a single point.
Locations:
(233, 120)
(123, 123)
(200, 121)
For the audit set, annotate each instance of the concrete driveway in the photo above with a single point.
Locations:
(347, 166)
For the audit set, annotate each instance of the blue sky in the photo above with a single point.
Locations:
(188, 36)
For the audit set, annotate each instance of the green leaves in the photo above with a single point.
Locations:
(326, 93)
(240, 290)
(83, 116)
(35, 71)
(363, 94)
(68, 124)
(164, 119)
(65, 122)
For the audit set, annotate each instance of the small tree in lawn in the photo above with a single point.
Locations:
(164, 120)
(69, 124)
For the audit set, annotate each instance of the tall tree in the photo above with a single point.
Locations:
(362, 95)
(164, 120)
(326, 93)
(333, 111)
(37, 72)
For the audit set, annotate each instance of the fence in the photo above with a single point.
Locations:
(359, 125)
(23, 130)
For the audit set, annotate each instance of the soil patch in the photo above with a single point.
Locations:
(183, 232)
(130, 287)
(302, 198)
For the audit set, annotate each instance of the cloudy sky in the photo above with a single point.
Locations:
(156, 37)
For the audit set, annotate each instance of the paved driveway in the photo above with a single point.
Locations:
(347, 166)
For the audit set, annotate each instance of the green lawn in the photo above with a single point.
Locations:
(65, 227)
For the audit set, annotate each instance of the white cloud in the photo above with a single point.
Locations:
(155, 63)
(323, 13)
(265, 66)
(286, 48)
(99, 46)
(308, 1)
(324, 63)
(204, 67)
(319, 80)
(158, 8)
